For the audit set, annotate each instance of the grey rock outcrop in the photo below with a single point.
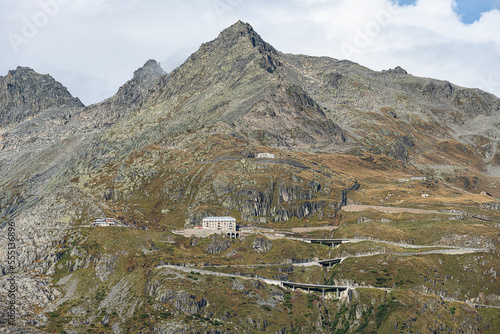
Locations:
(217, 245)
(396, 70)
(238, 285)
(105, 320)
(105, 267)
(180, 300)
(127, 99)
(262, 245)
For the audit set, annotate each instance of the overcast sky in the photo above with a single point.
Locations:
(93, 46)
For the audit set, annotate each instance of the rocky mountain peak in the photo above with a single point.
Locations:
(148, 73)
(238, 30)
(245, 43)
(230, 36)
(129, 95)
(396, 70)
(142, 81)
(24, 93)
(19, 71)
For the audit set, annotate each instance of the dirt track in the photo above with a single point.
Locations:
(312, 229)
(386, 209)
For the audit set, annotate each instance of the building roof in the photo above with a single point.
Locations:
(218, 218)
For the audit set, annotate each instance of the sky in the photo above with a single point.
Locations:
(93, 46)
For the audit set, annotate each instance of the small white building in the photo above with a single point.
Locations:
(414, 178)
(266, 155)
(104, 222)
(221, 225)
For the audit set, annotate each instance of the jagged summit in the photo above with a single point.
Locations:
(396, 70)
(231, 35)
(20, 70)
(24, 93)
(239, 42)
(128, 97)
(149, 72)
(241, 30)
(142, 81)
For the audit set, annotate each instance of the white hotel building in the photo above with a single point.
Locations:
(222, 224)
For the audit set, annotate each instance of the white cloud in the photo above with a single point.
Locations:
(93, 46)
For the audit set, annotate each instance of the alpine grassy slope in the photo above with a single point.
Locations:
(170, 149)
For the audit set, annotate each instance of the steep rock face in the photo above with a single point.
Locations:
(128, 98)
(181, 300)
(260, 196)
(41, 229)
(44, 225)
(394, 113)
(217, 245)
(25, 93)
(105, 267)
(287, 116)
